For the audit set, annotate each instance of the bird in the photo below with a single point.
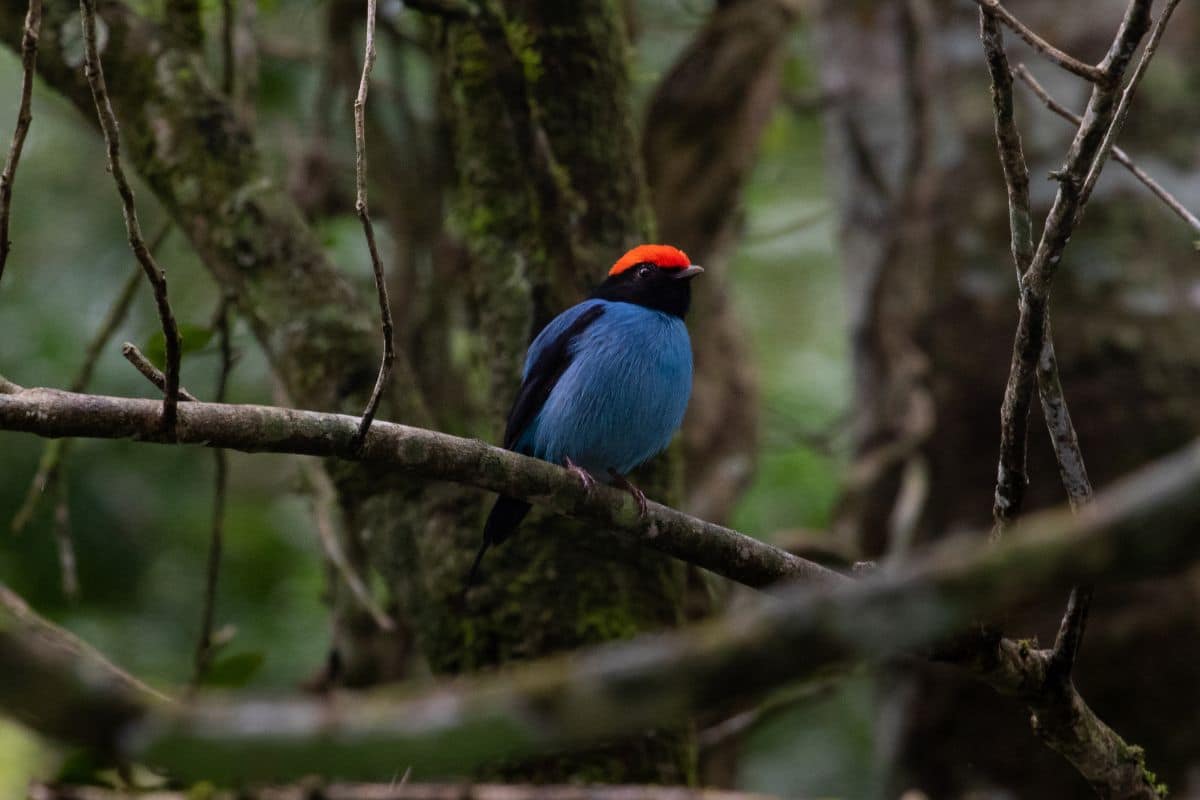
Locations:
(606, 383)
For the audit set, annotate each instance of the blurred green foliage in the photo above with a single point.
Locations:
(140, 514)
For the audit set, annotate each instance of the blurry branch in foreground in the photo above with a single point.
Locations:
(808, 626)
(414, 791)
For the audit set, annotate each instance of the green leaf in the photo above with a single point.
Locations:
(235, 670)
(192, 339)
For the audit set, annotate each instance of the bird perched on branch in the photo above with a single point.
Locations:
(606, 383)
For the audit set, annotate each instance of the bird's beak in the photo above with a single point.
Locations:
(688, 272)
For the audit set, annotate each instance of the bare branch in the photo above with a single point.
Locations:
(324, 502)
(1008, 140)
(151, 372)
(204, 642)
(414, 791)
(1118, 120)
(1086, 71)
(1037, 279)
(69, 574)
(29, 46)
(429, 454)
(1062, 431)
(1119, 155)
(364, 216)
(157, 278)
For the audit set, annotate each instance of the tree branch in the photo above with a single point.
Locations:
(1119, 155)
(1037, 279)
(364, 216)
(157, 278)
(992, 8)
(29, 46)
(414, 791)
(621, 688)
(424, 453)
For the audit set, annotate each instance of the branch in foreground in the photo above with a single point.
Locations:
(414, 791)
(364, 216)
(112, 139)
(29, 46)
(425, 453)
(622, 688)
(1119, 155)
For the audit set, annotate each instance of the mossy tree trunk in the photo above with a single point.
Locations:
(549, 192)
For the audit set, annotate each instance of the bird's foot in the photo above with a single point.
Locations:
(585, 477)
(639, 496)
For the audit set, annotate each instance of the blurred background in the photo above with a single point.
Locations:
(867, 305)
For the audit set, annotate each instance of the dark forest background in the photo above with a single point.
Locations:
(772, 136)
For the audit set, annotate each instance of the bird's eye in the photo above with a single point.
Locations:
(644, 271)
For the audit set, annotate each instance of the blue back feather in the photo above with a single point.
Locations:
(623, 395)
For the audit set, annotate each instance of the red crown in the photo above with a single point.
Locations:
(660, 255)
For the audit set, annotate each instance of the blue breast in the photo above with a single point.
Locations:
(623, 395)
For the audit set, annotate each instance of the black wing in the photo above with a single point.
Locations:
(551, 362)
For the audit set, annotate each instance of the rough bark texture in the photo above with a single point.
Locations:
(1125, 338)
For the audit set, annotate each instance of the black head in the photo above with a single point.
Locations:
(652, 275)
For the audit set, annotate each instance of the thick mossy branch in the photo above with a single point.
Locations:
(619, 689)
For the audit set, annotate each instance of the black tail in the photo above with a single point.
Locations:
(501, 523)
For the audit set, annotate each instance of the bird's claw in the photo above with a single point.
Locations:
(639, 496)
(585, 477)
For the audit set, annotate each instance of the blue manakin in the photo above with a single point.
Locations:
(606, 383)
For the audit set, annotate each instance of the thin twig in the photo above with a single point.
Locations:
(158, 279)
(228, 59)
(1118, 120)
(68, 571)
(204, 642)
(1069, 63)
(324, 501)
(152, 373)
(1008, 141)
(1119, 155)
(49, 467)
(29, 46)
(364, 216)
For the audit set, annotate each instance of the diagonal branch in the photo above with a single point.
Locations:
(158, 279)
(993, 9)
(1119, 155)
(29, 47)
